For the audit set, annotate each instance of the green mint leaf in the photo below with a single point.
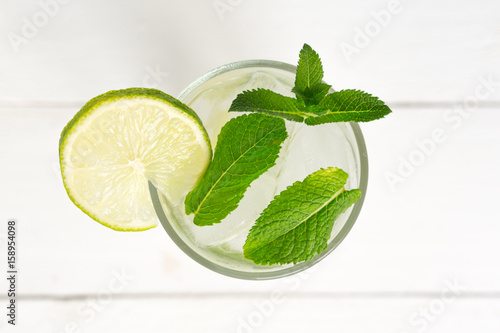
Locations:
(348, 105)
(313, 104)
(308, 80)
(267, 101)
(312, 95)
(342, 106)
(298, 223)
(247, 146)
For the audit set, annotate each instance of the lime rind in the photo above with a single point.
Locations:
(113, 97)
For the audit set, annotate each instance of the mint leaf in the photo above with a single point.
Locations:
(298, 223)
(312, 95)
(342, 106)
(247, 146)
(267, 101)
(348, 105)
(312, 105)
(308, 80)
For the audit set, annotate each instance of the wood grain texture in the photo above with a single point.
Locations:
(430, 219)
(437, 223)
(422, 51)
(259, 314)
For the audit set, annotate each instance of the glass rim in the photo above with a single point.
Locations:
(268, 275)
(233, 66)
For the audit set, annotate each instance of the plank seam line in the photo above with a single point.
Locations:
(297, 295)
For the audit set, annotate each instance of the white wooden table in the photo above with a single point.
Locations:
(424, 253)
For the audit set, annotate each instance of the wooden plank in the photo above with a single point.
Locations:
(403, 53)
(438, 223)
(261, 313)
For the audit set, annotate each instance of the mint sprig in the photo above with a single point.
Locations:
(312, 104)
(298, 223)
(247, 146)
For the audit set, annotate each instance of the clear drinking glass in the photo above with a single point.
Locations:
(307, 149)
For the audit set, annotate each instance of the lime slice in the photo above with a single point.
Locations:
(120, 140)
